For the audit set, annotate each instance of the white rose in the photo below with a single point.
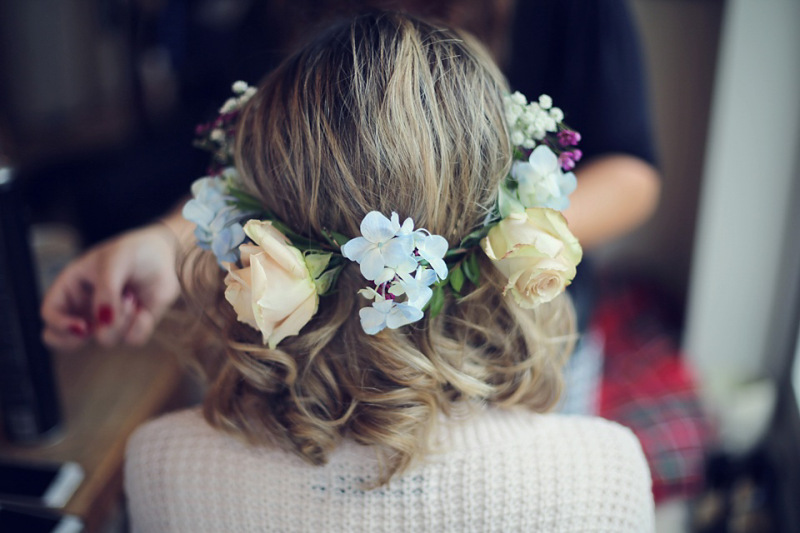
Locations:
(537, 252)
(273, 292)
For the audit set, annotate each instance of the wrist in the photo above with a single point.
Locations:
(163, 236)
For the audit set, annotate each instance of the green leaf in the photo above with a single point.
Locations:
(247, 202)
(303, 243)
(436, 303)
(335, 238)
(339, 238)
(454, 253)
(456, 278)
(472, 269)
(472, 239)
(316, 262)
(327, 280)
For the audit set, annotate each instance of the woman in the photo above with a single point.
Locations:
(320, 416)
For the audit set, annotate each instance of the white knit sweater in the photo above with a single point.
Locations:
(499, 471)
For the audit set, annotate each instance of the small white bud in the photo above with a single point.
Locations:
(228, 106)
(239, 87)
(519, 98)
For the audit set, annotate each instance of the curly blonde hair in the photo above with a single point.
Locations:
(383, 112)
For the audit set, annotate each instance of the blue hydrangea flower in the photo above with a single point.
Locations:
(218, 221)
(401, 263)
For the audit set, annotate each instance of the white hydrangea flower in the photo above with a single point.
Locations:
(556, 114)
(432, 249)
(508, 202)
(417, 287)
(384, 244)
(545, 101)
(542, 183)
(385, 313)
(401, 263)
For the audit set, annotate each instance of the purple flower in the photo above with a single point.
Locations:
(568, 159)
(569, 138)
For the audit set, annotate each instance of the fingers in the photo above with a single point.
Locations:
(113, 324)
(66, 333)
(135, 324)
(113, 303)
(115, 293)
(132, 324)
(66, 311)
(63, 340)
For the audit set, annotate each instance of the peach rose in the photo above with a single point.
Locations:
(536, 252)
(273, 292)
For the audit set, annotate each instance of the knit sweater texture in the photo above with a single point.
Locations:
(498, 471)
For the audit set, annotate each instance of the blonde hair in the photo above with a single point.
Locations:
(387, 113)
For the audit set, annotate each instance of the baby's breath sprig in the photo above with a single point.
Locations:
(218, 136)
(544, 154)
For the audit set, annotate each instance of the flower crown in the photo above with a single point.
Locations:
(275, 276)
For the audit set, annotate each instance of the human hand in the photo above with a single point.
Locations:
(114, 293)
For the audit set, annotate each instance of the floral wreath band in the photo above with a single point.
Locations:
(275, 276)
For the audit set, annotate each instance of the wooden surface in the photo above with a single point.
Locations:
(105, 395)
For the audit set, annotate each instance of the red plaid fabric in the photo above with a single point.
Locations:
(648, 387)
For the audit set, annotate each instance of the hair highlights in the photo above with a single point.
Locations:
(388, 113)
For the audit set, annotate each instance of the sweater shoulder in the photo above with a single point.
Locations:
(496, 471)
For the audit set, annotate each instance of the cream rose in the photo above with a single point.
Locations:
(536, 252)
(273, 292)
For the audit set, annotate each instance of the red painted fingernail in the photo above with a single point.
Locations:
(105, 315)
(77, 329)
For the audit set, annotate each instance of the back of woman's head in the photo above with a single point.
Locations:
(383, 113)
(392, 114)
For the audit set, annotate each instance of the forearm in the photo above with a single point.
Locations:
(615, 194)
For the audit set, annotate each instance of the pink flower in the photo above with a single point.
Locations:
(569, 137)
(568, 159)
